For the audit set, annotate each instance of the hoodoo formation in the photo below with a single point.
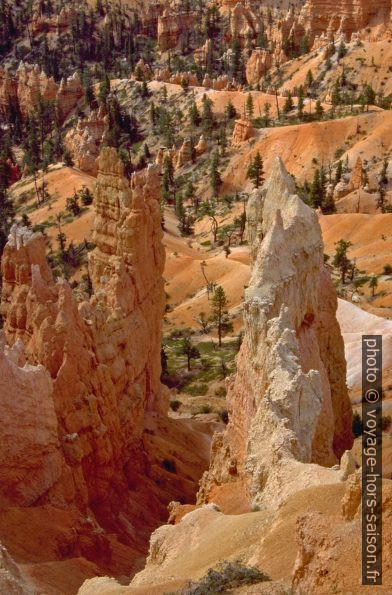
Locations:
(290, 411)
(81, 390)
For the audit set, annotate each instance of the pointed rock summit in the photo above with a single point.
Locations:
(290, 415)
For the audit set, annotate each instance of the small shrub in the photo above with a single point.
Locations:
(357, 425)
(227, 576)
(387, 269)
(224, 415)
(196, 390)
(175, 405)
(221, 392)
(205, 409)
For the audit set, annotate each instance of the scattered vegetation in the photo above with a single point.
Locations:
(227, 576)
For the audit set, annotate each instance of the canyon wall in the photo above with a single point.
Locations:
(29, 83)
(83, 424)
(344, 16)
(84, 140)
(172, 27)
(290, 416)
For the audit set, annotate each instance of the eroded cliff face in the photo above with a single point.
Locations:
(344, 16)
(290, 413)
(329, 547)
(30, 82)
(83, 421)
(172, 27)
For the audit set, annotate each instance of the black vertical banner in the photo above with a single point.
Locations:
(372, 460)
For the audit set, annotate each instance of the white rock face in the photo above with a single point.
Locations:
(354, 323)
(290, 412)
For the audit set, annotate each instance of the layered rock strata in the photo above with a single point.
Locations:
(290, 416)
(242, 131)
(83, 427)
(172, 27)
(30, 83)
(343, 17)
(85, 140)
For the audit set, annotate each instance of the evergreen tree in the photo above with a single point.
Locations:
(72, 205)
(369, 96)
(215, 177)
(309, 78)
(220, 316)
(304, 45)
(301, 101)
(317, 190)
(373, 284)
(267, 111)
(207, 116)
(319, 109)
(336, 98)
(230, 110)
(255, 170)
(104, 90)
(249, 106)
(222, 140)
(7, 215)
(289, 105)
(341, 261)
(186, 348)
(236, 66)
(339, 172)
(194, 114)
(342, 50)
(167, 177)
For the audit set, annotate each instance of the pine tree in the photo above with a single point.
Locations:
(104, 90)
(167, 177)
(236, 66)
(339, 172)
(267, 111)
(215, 177)
(249, 106)
(288, 106)
(222, 140)
(309, 78)
(301, 101)
(230, 110)
(194, 114)
(317, 190)
(7, 215)
(373, 284)
(341, 261)
(255, 170)
(72, 204)
(336, 98)
(342, 50)
(186, 348)
(220, 315)
(207, 116)
(319, 109)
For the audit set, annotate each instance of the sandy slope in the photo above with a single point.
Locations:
(371, 236)
(354, 323)
(366, 135)
(62, 182)
(185, 283)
